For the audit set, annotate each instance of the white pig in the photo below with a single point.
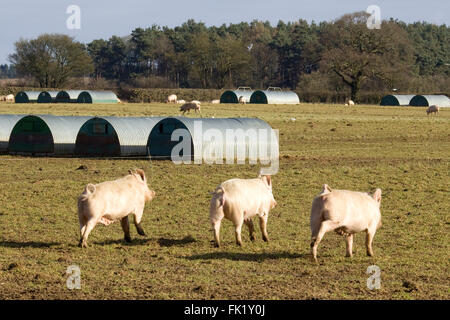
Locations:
(345, 212)
(110, 201)
(239, 200)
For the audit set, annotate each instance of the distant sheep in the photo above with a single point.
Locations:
(433, 109)
(171, 98)
(188, 106)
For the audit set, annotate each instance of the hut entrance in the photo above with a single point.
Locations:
(31, 135)
(97, 137)
(160, 141)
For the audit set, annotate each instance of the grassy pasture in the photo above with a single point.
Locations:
(398, 149)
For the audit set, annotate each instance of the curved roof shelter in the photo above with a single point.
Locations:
(45, 135)
(232, 96)
(115, 136)
(27, 96)
(7, 123)
(396, 100)
(429, 100)
(274, 95)
(234, 132)
(97, 97)
(47, 96)
(67, 96)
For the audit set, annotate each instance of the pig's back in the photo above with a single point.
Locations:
(349, 206)
(247, 194)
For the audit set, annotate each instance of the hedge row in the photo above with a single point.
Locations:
(14, 90)
(339, 97)
(160, 95)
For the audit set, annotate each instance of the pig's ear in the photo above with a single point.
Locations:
(377, 195)
(268, 180)
(141, 173)
(325, 189)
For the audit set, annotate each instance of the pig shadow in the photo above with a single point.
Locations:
(163, 242)
(134, 242)
(28, 244)
(256, 257)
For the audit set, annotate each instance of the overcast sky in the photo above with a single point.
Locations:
(104, 18)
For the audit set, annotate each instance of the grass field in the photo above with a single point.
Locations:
(397, 149)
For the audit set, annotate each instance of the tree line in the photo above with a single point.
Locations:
(339, 55)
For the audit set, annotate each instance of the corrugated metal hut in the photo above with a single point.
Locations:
(7, 123)
(274, 95)
(429, 100)
(232, 96)
(396, 100)
(115, 136)
(97, 97)
(161, 144)
(27, 96)
(45, 135)
(66, 96)
(47, 96)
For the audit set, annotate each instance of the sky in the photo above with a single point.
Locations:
(28, 19)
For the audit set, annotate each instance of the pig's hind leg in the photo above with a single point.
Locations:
(126, 228)
(325, 226)
(369, 238)
(87, 230)
(251, 228)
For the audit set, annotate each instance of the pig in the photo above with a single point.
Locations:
(345, 212)
(432, 109)
(171, 99)
(242, 99)
(239, 200)
(188, 106)
(110, 201)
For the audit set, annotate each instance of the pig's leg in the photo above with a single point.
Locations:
(324, 228)
(216, 229)
(137, 222)
(82, 221)
(251, 228)
(369, 239)
(88, 228)
(349, 245)
(263, 227)
(237, 230)
(126, 228)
